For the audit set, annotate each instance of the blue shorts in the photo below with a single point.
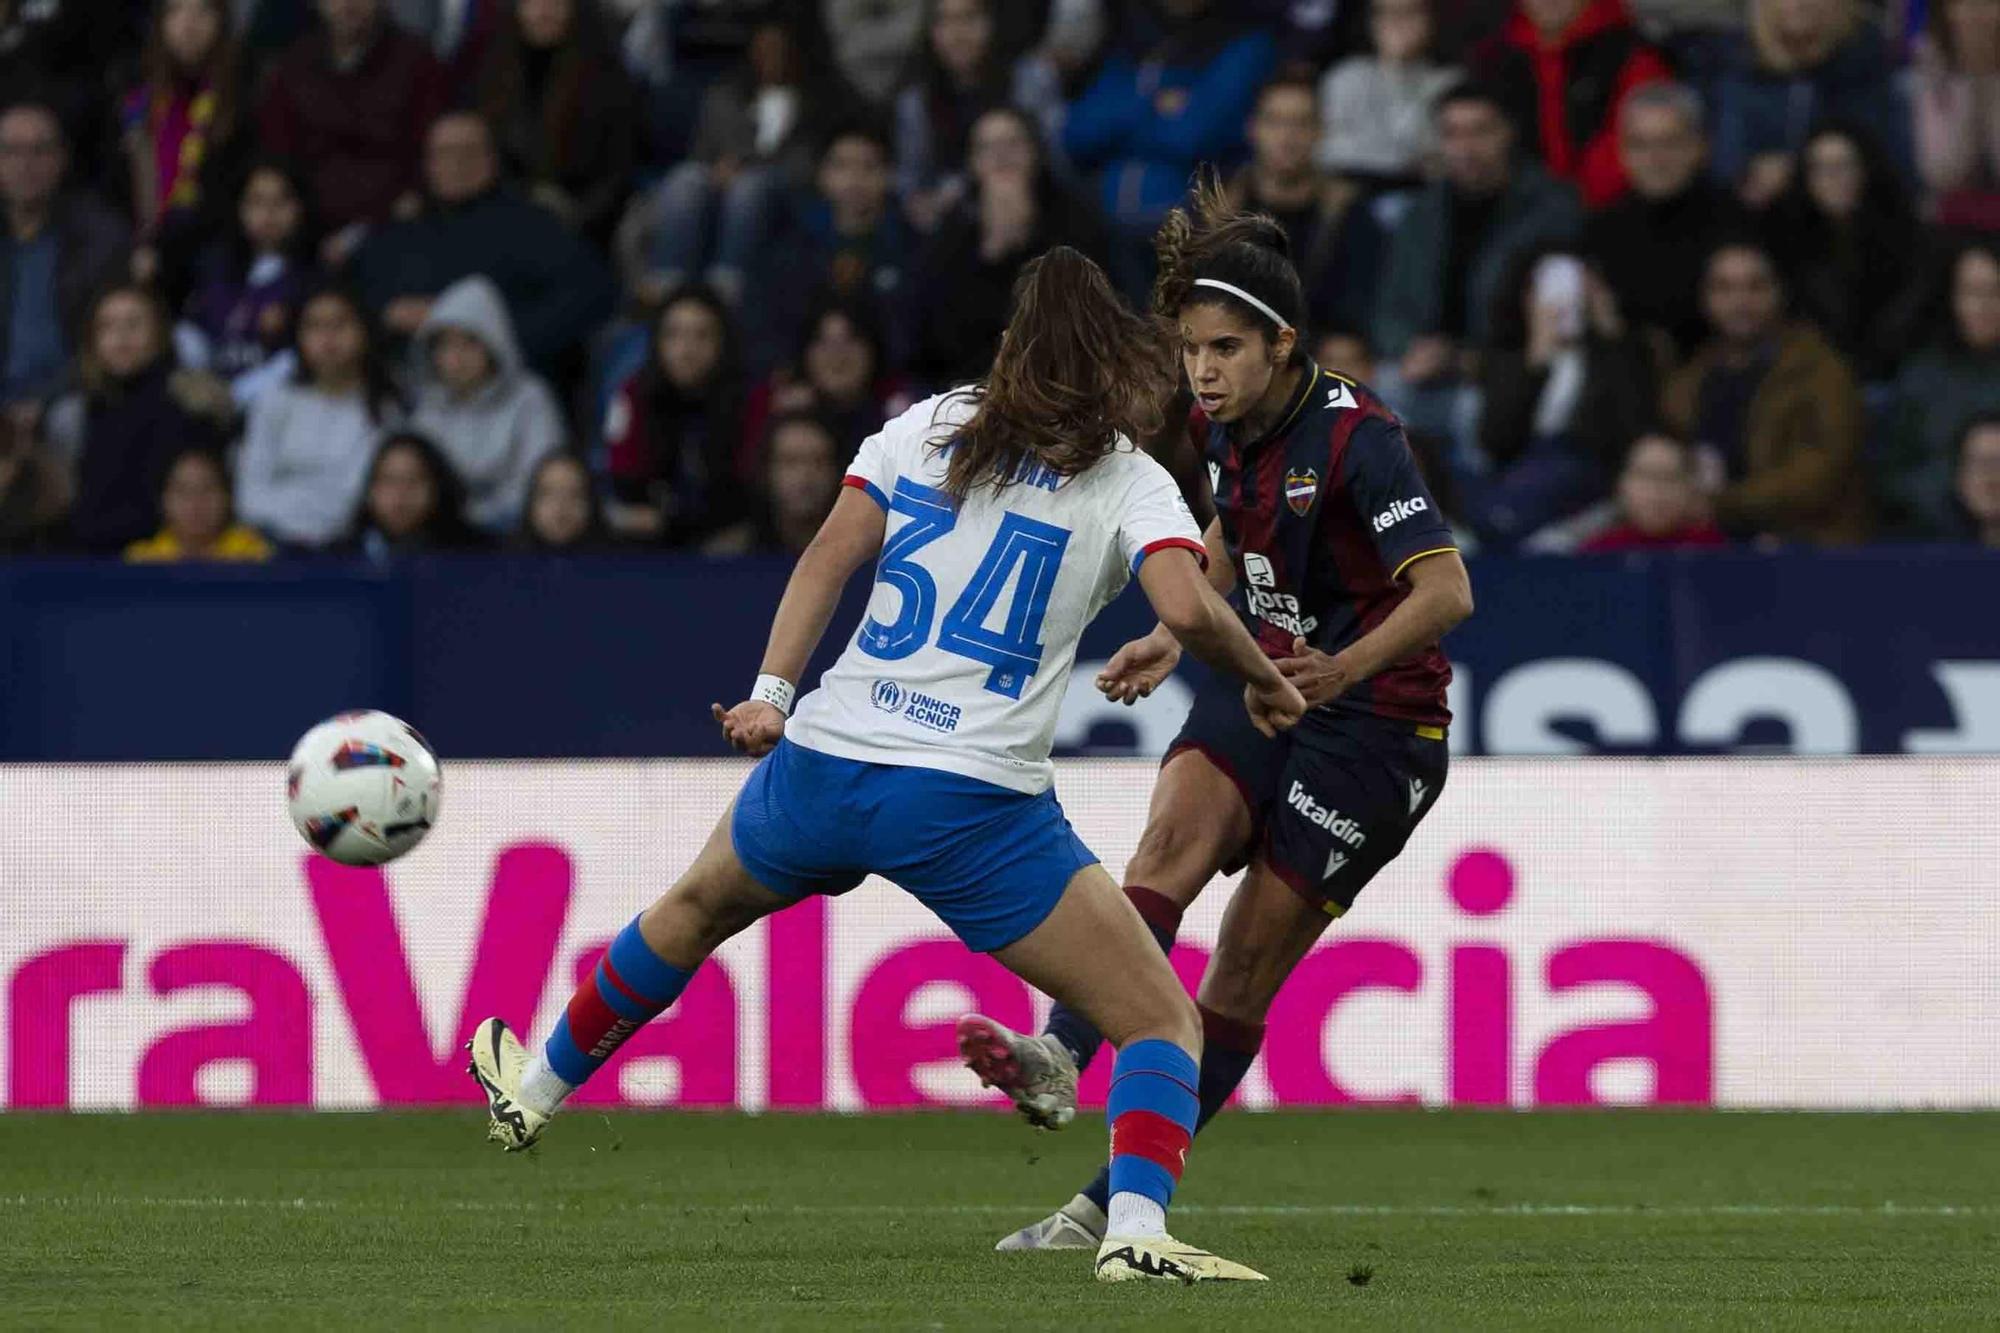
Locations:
(991, 862)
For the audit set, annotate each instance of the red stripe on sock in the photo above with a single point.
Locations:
(1159, 911)
(1230, 1033)
(625, 990)
(1150, 1135)
(590, 1018)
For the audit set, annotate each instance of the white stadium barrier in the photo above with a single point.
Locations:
(1738, 933)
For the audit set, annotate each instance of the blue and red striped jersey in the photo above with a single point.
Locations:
(1322, 515)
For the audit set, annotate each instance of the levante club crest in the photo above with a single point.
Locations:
(1300, 488)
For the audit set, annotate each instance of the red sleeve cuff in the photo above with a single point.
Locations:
(1200, 551)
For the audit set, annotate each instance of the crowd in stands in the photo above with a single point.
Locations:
(372, 277)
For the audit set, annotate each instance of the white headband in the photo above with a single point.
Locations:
(1242, 295)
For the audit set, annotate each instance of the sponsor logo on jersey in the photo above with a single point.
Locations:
(1340, 395)
(1417, 793)
(1335, 863)
(1257, 569)
(1399, 511)
(1300, 488)
(1214, 476)
(915, 706)
(1346, 830)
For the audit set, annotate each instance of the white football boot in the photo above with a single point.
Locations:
(497, 1061)
(1036, 1072)
(1077, 1225)
(1164, 1259)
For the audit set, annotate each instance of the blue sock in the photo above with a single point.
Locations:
(630, 986)
(1228, 1050)
(1152, 1111)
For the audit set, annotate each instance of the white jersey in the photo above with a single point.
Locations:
(963, 658)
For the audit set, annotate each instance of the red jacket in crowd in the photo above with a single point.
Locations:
(359, 131)
(1569, 90)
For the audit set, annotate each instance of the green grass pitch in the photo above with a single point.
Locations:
(1411, 1220)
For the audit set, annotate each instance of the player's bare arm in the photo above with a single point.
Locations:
(1194, 614)
(1440, 599)
(1137, 669)
(849, 539)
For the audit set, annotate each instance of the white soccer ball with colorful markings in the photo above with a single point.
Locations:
(363, 787)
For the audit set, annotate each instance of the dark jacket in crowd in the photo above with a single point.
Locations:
(1754, 110)
(1614, 407)
(1801, 444)
(566, 118)
(1937, 393)
(1534, 208)
(361, 130)
(963, 299)
(557, 288)
(92, 243)
(1652, 253)
(1563, 96)
(131, 433)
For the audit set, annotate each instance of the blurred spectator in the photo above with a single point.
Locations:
(56, 53)
(1452, 251)
(1953, 379)
(1955, 97)
(672, 429)
(1017, 210)
(713, 215)
(556, 288)
(1564, 387)
(352, 100)
(872, 41)
(677, 50)
(852, 241)
(198, 521)
(1652, 245)
(305, 453)
(960, 74)
(1376, 109)
(1563, 67)
(461, 33)
(841, 373)
(1849, 245)
(564, 113)
(1660, 506)
(562, 515)
(801, 475)
(493, 417)
(413, 503)
(57, 251)
(1773, 408)
(1977, 488)
(33, 493)
(1335, 241)
(1803, 61)
(183, 134)
(135, 413)
(247, 285)
(1174, 96)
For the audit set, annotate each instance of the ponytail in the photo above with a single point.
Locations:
(1209, 237)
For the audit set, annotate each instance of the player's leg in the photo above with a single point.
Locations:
(1219, 773)
(1092, 952)
(639, 977)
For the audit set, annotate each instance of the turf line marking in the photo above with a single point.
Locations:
(996, 1209)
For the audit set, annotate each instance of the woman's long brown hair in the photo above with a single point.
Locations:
(1077, 369)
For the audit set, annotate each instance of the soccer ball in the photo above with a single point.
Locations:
(363, 787)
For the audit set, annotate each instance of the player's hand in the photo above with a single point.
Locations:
(1274, 708)
(1137, 669)
(753, 726)
(1320, 677)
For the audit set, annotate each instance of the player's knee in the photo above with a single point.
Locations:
(1238, 986)
(1172, 854)
(1168, 1016)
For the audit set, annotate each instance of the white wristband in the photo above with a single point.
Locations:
(775, 691)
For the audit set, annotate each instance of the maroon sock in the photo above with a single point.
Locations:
(1228, 1046)
(1161, 914)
